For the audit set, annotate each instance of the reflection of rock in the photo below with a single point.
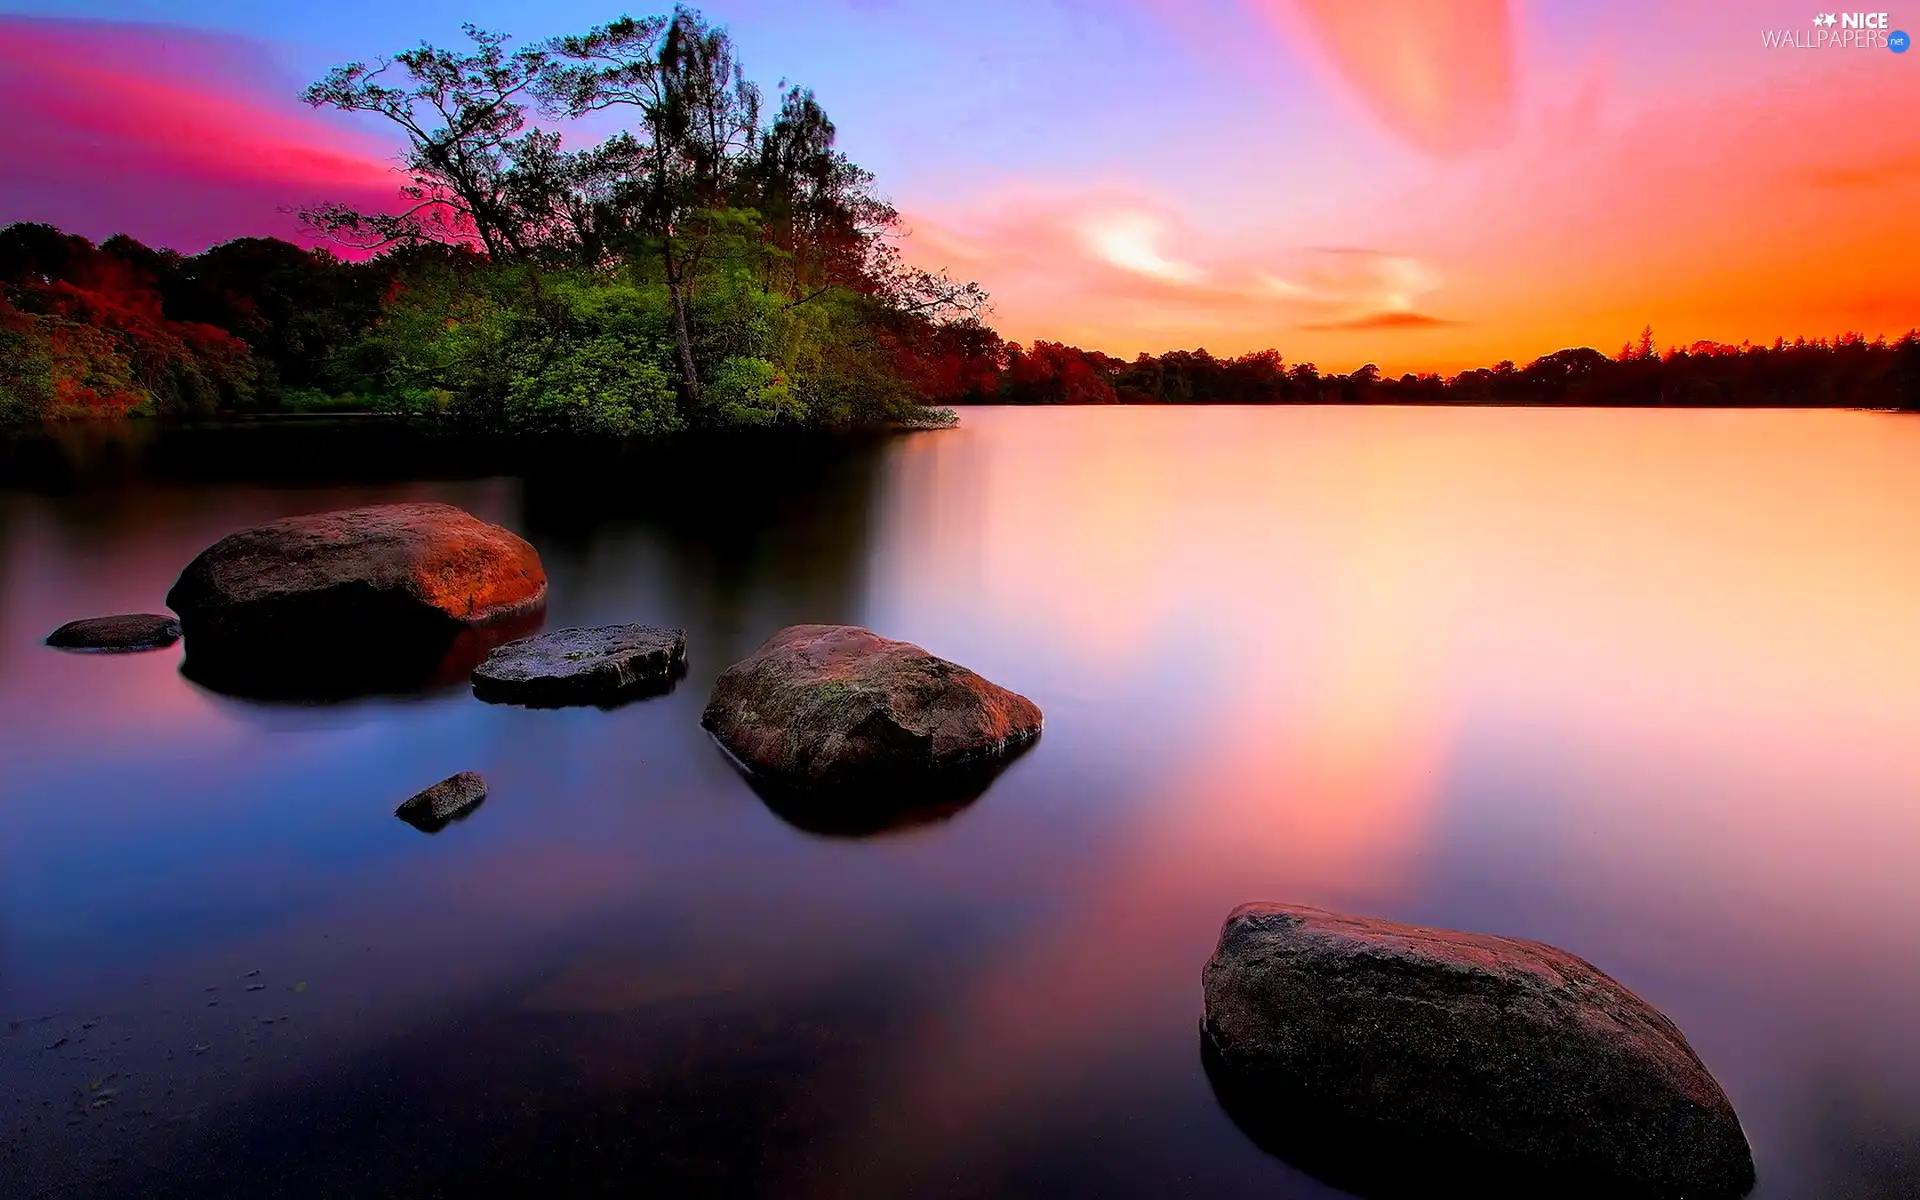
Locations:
(364, 599)
(452, 799)
(838, 709)
(331, 672)
(859, 812)
(600, 665)
(126, 632)
(1395, 1060)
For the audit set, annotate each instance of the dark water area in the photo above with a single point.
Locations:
(1644, 685)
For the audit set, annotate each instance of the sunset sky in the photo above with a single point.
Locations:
(1422, 184)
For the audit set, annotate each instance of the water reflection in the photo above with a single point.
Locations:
(332, 671)
(1641, 685)
(1368, 1163)
(896, 807)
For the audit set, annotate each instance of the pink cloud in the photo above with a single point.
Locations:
(171, 135)
(1439, 73)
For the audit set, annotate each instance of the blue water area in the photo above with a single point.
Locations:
(1643, 685)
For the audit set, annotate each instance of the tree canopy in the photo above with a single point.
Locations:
(737, 216)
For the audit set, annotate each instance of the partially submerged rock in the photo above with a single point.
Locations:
(452, 799)
(383, 590)
(837, 708)
(1401, 1060)
(124, 633)
(598, 665)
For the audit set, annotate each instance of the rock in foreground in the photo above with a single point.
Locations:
(449, 800)
(600, 665)
(821, 707)
(118, 634)
(331, 592)
(1489, 1065)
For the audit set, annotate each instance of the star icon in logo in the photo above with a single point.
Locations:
(1827, 19)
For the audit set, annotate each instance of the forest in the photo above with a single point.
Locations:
(714, 262)
(1848, 371)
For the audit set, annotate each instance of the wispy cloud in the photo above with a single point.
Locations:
(1380, 322)
(1117, 271)
(1131, 241)
(1887, 171)
(1438, 73)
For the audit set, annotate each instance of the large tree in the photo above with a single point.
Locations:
(698, 128)
(694, 192)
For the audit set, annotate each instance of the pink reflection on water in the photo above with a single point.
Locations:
(1672, 656)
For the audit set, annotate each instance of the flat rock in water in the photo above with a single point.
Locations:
(1486, 1065)
(582, 666)
(830, 707)
(332, 591)
(449, 800)
(126, 632)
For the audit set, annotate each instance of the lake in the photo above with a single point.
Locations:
(1641, 684)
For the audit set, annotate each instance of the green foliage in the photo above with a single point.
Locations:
(515, 349)
(753, 391)
(596, 384)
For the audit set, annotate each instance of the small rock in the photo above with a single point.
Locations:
(126, 633)
(452, 799)
(1397, 1060)
(597, 665)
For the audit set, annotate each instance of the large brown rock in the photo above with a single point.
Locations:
(369, 594)
(380, 585)
(837, 707)
(1489, 1064)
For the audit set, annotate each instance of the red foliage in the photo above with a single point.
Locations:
(1052, 373)
(112, 347)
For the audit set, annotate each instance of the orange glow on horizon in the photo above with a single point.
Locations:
(1536, 195)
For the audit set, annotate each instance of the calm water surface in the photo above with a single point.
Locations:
(1645, 685)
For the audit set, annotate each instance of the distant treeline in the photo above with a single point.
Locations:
(262, 325)
(1849, 371)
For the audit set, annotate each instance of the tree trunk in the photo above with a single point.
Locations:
(683, 341)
